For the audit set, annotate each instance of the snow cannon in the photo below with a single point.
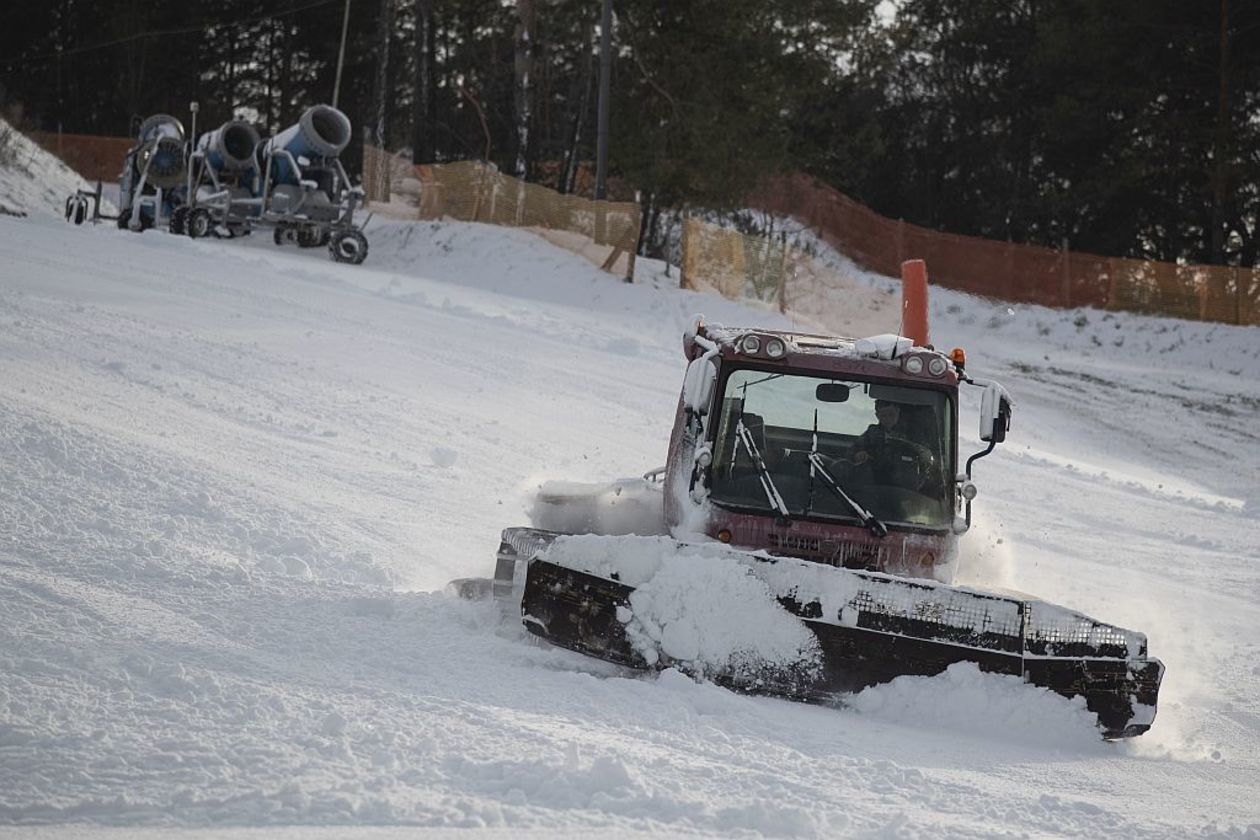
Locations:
(222, 172)
(292, 183)
(321, 132)
(230, 147)
(160, 151)
(152, 184)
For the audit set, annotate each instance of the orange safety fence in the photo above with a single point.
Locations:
(1019, 273)
(734, 264)
(606, 232)
(94, 158)
(767, 269)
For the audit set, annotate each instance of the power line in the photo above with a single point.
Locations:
(158, 33)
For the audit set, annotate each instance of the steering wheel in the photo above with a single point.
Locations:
(926, 456)
(892, 455)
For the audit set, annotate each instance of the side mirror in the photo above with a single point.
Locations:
(698, 385)
(995, 413)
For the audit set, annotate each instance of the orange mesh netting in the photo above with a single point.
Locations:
(607, 232)
(767, 269)
(94, 158)
(1019, 273)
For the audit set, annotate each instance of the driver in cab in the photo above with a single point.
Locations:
(886, 455)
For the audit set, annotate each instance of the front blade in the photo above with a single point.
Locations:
(870, 628)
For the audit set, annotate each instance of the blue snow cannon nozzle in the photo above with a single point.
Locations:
(230, 147)
(321, 132)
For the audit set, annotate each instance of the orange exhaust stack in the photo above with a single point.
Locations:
(914, 308)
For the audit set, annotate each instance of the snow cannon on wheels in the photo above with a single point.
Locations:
(824, 470)
(307, 191)
(301, 191)
(151, 186)
(222, 172)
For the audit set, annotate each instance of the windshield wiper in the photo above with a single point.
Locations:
(813, 450)
(763, 472)
(876, 527)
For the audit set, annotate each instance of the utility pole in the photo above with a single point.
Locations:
(605, 78)
(422, 116)
(341, 53)
(60, 109)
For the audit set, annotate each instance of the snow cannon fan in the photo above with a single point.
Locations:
(161, 151)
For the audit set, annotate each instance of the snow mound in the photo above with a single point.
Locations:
(33, 180)
(696, 607)
(966, 700)
(625, 506)
(163, 447)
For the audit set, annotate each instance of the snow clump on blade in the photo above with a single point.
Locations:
(698, 608)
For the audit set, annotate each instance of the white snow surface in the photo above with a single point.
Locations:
(32, 181)
(236, 479)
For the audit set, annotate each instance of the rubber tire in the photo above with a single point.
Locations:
(348, 246)
(199, 223)
(179, 221)
(317, 238)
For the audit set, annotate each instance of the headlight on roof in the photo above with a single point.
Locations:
(751, 344)
(914, 365)
(937, 366)
(775, 348)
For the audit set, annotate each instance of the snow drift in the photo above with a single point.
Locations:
(231, 490)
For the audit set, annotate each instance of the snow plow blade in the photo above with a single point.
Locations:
(870, 627)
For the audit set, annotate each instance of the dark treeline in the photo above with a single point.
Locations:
(1117, 126)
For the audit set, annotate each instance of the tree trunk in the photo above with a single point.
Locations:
(569, 175)
(646, 210)
(286, 76)
(385, 26)
(231, 74)
(524, 81)
(271, 75)
(422, 114)
(1220, 147)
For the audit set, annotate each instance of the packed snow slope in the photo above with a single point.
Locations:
(236, 478)
(32, 181)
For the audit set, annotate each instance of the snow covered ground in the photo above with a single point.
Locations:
(33, 181)
(236, 478)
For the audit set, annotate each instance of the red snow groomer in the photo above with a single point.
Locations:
(829, 468)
